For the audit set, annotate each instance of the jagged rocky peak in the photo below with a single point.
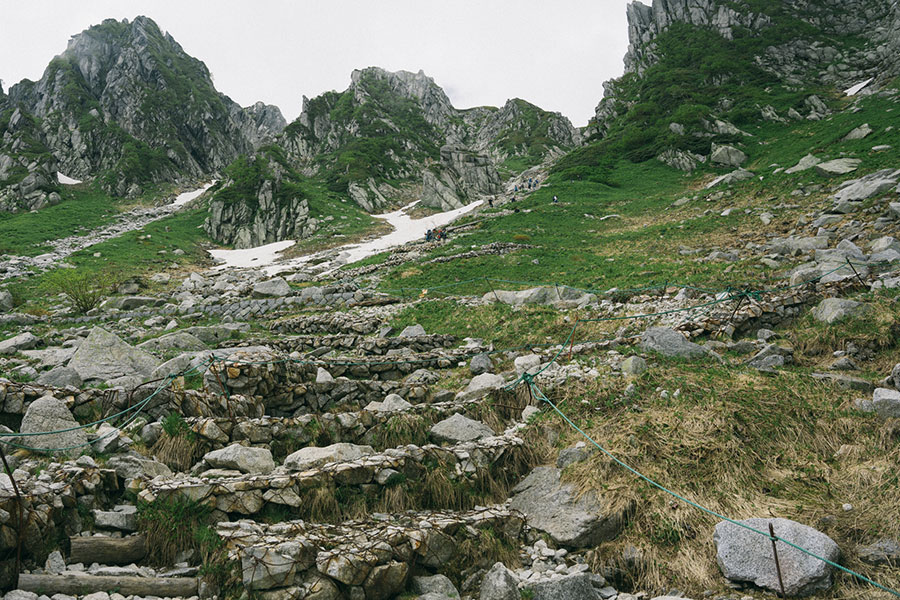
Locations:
(415, 86)
(126, 105)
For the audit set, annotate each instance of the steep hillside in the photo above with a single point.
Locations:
(125, 105)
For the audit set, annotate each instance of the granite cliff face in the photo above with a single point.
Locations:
(259, 203)
(126, 105)
(810, 39)
(402, 128)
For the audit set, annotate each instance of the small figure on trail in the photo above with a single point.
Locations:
(516, 189)
(555, 200)
(491, 202)
(428, 236)
(513, 199)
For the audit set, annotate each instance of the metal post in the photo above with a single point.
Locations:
(736, 307)
(487, 281)
(855, 271)
(777, 564)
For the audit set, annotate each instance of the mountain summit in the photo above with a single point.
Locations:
(124, 103)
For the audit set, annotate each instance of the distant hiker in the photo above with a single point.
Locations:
(428, 236)
(491, 202)
(555, 200)
(513, 199)
(516, 189)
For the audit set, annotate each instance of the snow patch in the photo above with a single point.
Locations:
(852, 91)
(65, 180)
(406, 229)
(182, 199)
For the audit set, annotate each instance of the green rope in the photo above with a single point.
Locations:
(540, 395)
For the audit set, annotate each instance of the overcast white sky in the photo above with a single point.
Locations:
(554, 53)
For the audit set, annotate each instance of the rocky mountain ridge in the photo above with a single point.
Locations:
(126, 105)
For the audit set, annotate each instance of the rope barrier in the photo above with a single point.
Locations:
(536, 391)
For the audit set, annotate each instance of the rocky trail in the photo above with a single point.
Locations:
(334, 457)
(131, 220)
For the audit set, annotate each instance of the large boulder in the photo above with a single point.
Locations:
(103, 356)
(499, 583)
(727, 155)
(669, 342)
(434, 584)
(311, 457)
(60, 377)
(747, 556)
(460, 429)
(481, 385)
(886, 402)
(832, 310)
(807, 162)
(51, 414)
(23, 341)
(557, 509)
(412, 331)
(177, 340)
(568, 587)
(481, 363)
(276, 287)
(837, 167)
(869, 186)
(244, 459)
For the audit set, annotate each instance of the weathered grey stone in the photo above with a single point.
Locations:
(60, 377)
(243, 458)
(807, 162)
(837, 167)
(832, 310)
(729, 178)
(884, 243)
(131, 467)
(669, 342)
(882, 552)
(499, 583)
(747, 556)
(556, 509)
(412, 331)
(323, 376)
(481, 363)
(263, 568)
(577, 453)
(23, 341)
(177, 340)
(569, 587)
(385, 581)
(858, 133)
(869, 186)
(275, 287)
(311, 457)
(50, 414)
(55, 563)
(727, 155)
(481, 384)
(458, 428)
(122, 520)
(6, 301)
(436, 584)
(634, 366)
(391, 403)
(530, 363)
(103, 356)
(886, 402)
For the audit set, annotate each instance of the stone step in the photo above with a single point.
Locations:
(359, 344)
(80, 583)
(307, 486)
(377, 424)
(367, 558)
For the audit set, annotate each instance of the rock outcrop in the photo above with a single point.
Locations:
(461, 178)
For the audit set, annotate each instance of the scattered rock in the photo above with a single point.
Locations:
(837, 167)
(276, 287)
(747, 556)
(530, 363)
(499, 583)
(807, 162)
(412, 331)
(832, 310)
(886, 402)
(882, 552)
(481, 363)
(669, 342)
(727, 155)
(634, 366)
(557, 509)
(23, 341)
(60, 377)
(50, 414)
(245, 459)
(458, 428)
(859, 133)
(103, 356)
(311, 457)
